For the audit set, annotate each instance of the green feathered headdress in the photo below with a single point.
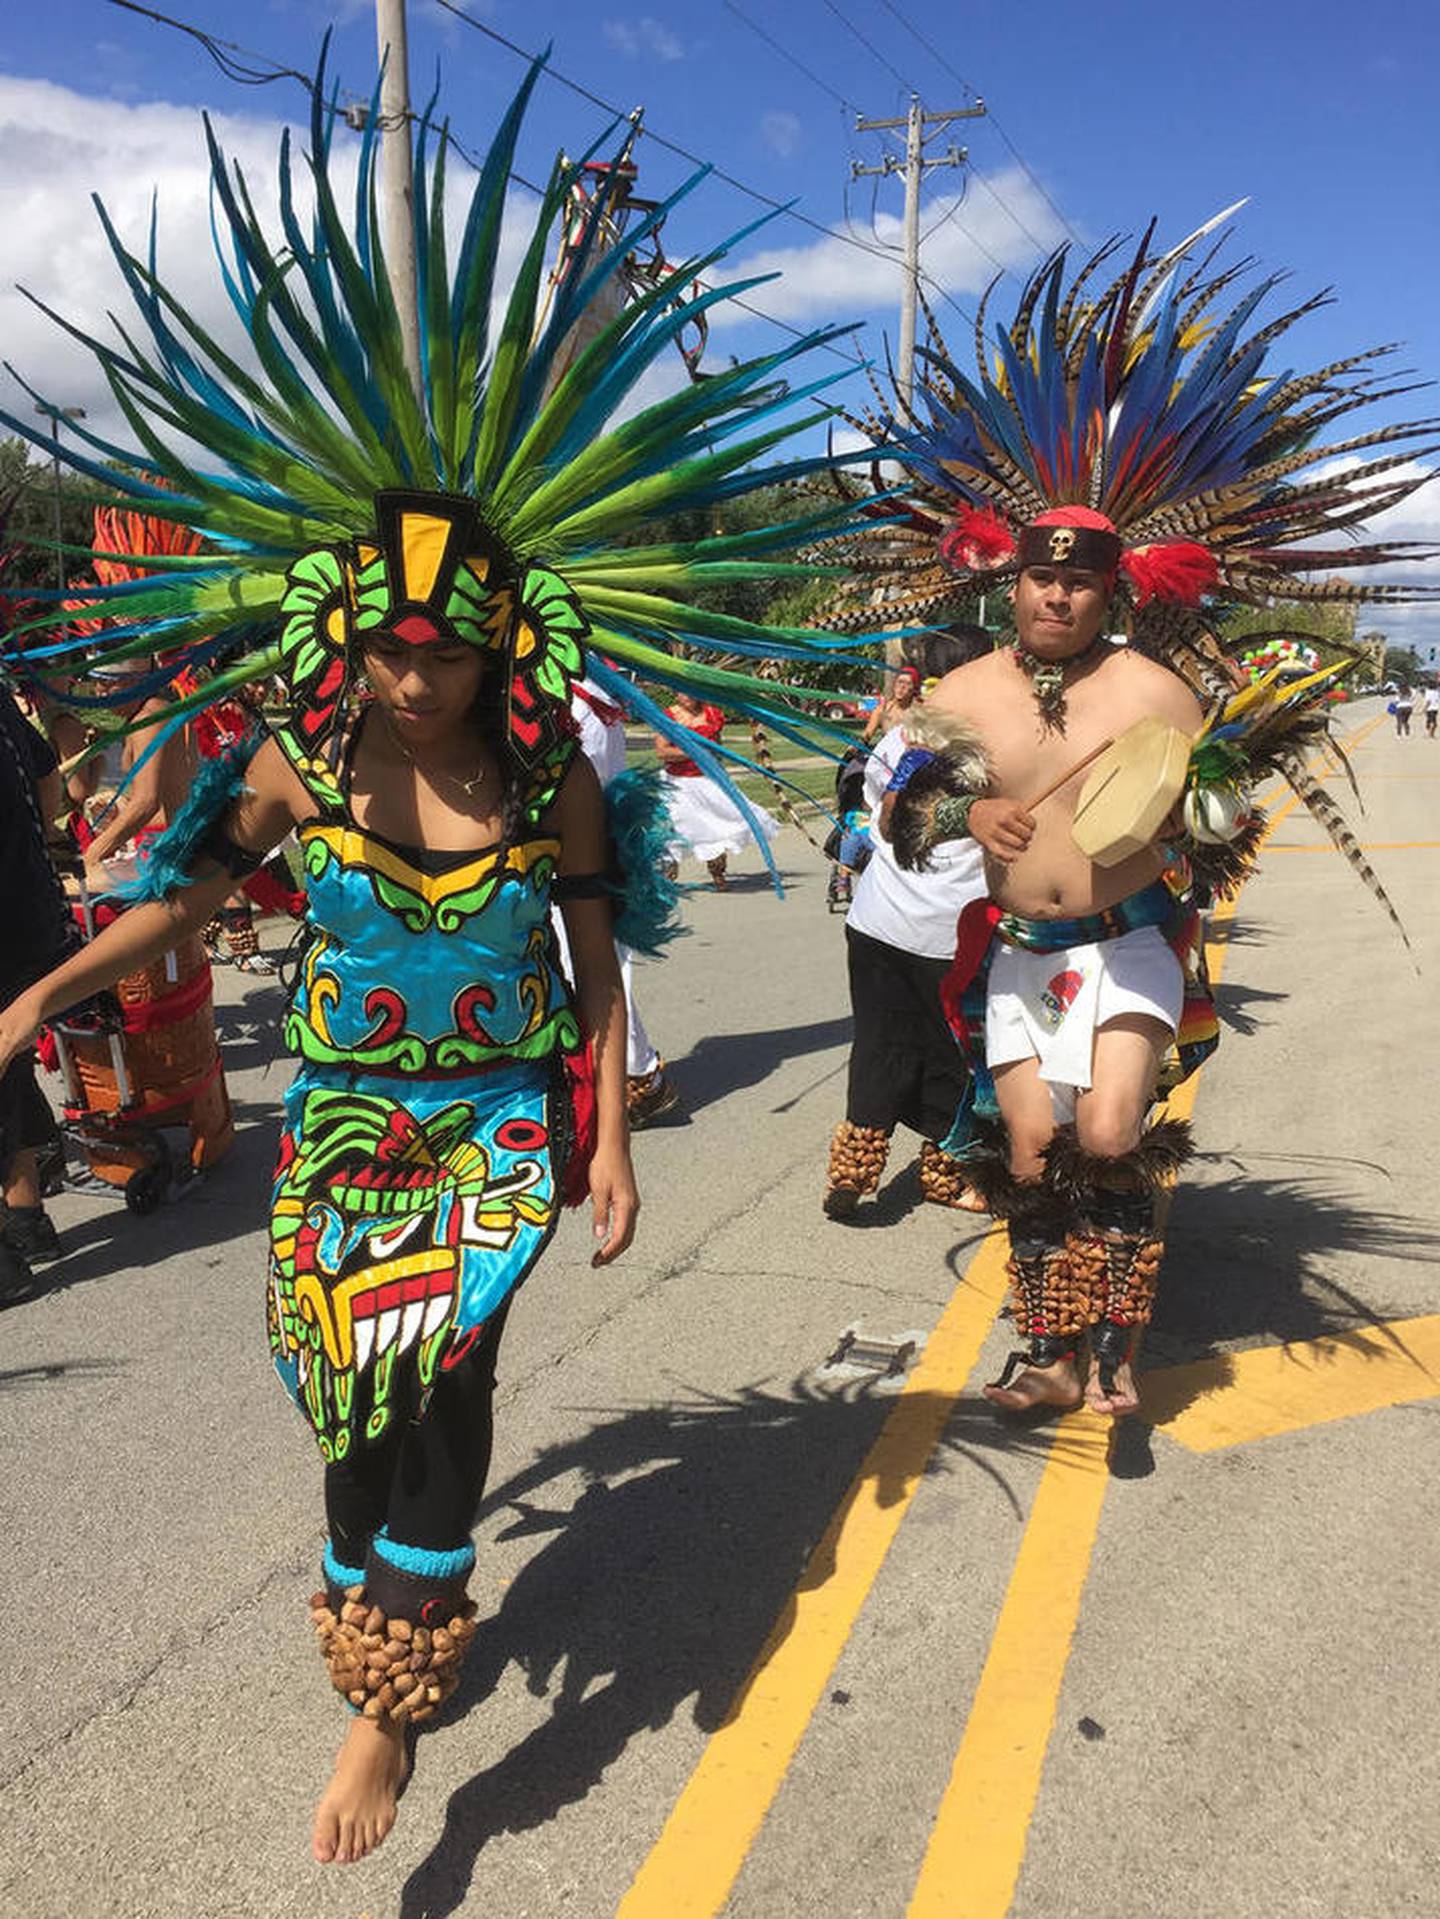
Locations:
(512, 499)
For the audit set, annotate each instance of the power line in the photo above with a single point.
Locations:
(869, 46)
(950, 213)
(238, 63)
(249, 68)
(1005, 207)
(673, 146)
(784, 53)
(959, 78)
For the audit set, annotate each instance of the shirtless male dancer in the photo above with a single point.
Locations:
(1084, 993)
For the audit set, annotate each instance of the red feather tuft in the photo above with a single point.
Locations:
(978, 542)
(1182, 571)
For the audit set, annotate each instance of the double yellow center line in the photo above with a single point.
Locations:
(977, 1844)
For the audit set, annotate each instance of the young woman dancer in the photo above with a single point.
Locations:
(425, 1151)
(420, 555)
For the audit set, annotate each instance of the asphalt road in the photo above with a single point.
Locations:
(769, 1638)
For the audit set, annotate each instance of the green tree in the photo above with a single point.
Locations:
(1403, 665)
(1329, 628)
(29, 531)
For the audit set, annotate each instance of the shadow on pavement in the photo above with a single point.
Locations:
(660, 1583)
(723, 1063)
(18, 1378)
(1236, 1006)
(1252, 1261)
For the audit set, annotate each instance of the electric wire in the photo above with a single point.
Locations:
(960, 80)
(224, 53)
(684, 153)
(785, 54)
(869, 45)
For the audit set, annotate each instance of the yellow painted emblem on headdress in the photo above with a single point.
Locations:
(423, 540)
(1062, 544)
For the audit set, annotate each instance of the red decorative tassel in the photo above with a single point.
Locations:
(1181, 571)
(978, 542)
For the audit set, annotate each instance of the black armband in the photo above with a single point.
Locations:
(216, 844)
(582, 886)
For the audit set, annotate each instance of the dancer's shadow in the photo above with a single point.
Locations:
(56, 1371)
(1257, 1260)
(1259, 1257)
(660, 1581)
(249, 1030)
(1234, 932)
(723, 1063)
(1236, 1006)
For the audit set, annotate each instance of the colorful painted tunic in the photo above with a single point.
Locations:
(425, 1135)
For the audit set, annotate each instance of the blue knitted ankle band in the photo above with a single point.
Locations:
(420, 1563)
(338, 1575)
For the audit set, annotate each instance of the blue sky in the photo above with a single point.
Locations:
(1324, 117)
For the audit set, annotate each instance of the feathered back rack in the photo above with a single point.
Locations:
(1145, 398)
(293, 450)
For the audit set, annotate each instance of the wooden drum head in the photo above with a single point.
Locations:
(1130, 791)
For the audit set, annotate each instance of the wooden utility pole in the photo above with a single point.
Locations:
(397, 181)
(915, 166)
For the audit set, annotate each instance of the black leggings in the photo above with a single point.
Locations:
(424, 1479)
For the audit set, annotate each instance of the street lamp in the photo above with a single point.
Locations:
(55, 414)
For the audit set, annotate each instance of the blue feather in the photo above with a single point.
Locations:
(639, 828)
(166, 861)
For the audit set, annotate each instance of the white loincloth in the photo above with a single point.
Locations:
(1049, 1006)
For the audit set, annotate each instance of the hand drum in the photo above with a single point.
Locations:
(1131, 791)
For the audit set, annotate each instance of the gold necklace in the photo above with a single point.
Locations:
(468, 787)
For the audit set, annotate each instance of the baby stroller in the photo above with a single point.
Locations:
(139, 1062)
(848, 844)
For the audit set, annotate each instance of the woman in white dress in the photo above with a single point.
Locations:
(707, 823)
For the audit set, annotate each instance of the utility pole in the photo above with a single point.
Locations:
(397, 181)
(55, 414)
(915, 167)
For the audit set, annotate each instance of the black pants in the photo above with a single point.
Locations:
(905, 1067)
(25, 1116)
(424, 1479)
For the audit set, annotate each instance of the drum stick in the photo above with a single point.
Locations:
(1078, 767)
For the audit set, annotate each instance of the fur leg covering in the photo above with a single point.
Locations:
(1114, 1246)
(857, 1159)
(394, 1645)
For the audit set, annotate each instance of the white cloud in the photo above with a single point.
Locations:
(781, 132)
(1416, 518)
(967, 242)
(645, 35)
(56, 147)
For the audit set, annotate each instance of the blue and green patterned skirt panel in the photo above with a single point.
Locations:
(404, 1212)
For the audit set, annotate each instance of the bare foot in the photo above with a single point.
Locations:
(1124, 1399)
(1034, 1386)
(357, 1808)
